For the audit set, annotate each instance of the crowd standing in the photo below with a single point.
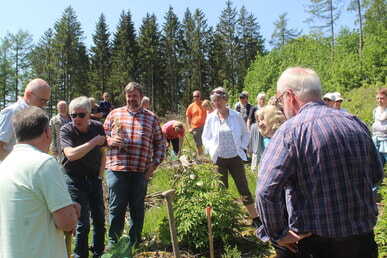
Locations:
(328, 176)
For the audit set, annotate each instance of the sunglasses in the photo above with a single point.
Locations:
(196, 96)
(219, 92)
(81, 115)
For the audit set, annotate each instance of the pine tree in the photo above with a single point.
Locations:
(70, 56)
(151, 62)
(326, 11)
(171, 42)
(100, 58)
(125, 60)
(6, 70)
(282, 35)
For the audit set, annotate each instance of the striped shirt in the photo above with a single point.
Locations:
(317, 174)
(143, 140)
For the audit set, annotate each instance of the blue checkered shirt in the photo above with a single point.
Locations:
(317, 174)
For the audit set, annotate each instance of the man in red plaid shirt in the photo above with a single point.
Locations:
(136, 149)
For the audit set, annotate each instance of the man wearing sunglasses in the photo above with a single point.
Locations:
(195, 118)
(37, 93)
(82, 141)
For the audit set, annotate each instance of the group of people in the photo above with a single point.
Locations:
(315, 190)
(314, 195)
(38, 203)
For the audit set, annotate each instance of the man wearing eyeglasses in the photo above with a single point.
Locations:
(195, 118)
(314, 192)
(82, 141)
(37, 93)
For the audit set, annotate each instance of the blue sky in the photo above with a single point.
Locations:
(36, 16)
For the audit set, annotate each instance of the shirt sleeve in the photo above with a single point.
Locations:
(51, 183)
(273, 172)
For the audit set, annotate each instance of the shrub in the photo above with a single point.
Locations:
(199, 186)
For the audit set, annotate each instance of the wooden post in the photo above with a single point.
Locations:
(168, 195)
(208, 209)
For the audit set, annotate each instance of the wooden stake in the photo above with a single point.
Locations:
(210, 232)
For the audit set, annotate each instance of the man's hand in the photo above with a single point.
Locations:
(150, 169)
(291, 239)
(117, 141)
(191, 130)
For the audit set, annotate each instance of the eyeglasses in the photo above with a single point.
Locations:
(42, 100)
(81, 115)
(196, 96)
(278, 99)
(219, 92)
(242, 97)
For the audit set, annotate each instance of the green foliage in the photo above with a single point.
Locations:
(381, 226)
(121, 250)
(198, 188)
(231, 252)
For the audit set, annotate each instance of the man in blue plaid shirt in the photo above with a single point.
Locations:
(314, 191)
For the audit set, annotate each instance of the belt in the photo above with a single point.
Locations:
(82, 177)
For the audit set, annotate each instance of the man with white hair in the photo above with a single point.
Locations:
(37, 93)
(314, 191)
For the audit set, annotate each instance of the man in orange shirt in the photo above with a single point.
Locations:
(196, 117)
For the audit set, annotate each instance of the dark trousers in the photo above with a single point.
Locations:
(237, 170)
(360, 246)
(175, 144)
(89, 194)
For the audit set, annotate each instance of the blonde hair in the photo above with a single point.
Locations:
(178, 125)
(207, 105)
(272, 116)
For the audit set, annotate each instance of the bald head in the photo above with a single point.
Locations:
(37, 93)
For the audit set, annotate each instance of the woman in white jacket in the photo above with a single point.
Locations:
(225, 138)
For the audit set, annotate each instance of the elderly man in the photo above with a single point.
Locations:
(56, 123)
(82, 141)
(136, 149)
(37, 93)
(195, 118)
(314, 191)
(35, 206)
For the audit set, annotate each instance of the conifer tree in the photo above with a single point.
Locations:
(100, 58)
(125, 62)
(282, 35)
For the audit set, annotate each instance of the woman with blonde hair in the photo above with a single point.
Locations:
(206, 104)
(269, 118)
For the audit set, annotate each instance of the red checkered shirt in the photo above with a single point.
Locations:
(143, 139)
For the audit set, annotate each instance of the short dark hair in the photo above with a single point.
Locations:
(29, 123)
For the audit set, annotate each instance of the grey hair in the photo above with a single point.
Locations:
(80, 102)
(145, 99)
(304, 82)
(222, 93)
(261, 94)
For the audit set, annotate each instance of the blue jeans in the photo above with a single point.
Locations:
(88, 193)
(126, 188)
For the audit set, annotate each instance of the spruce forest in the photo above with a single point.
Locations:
(171, 57)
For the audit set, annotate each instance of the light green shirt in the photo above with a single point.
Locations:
(32, 187)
